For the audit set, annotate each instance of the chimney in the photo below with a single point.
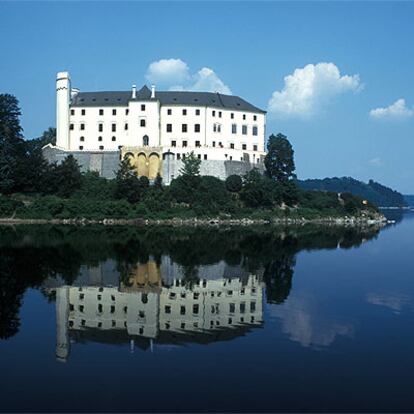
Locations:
(134, 91)
(152, 91)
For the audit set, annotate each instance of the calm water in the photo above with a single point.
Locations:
(207, 320)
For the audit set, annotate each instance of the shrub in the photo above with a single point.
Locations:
(234, 183)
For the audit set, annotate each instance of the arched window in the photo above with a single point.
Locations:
(145, 141)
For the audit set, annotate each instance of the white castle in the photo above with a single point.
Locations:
(156, 130)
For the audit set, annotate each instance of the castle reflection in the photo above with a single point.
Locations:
(157, 303)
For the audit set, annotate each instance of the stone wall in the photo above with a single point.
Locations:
(107, 163)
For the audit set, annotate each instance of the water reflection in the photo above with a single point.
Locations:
(305, 322)
(157, 305)
(165, 285)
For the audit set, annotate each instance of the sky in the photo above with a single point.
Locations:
(335, 77)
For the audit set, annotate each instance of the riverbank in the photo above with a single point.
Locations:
(214, 221)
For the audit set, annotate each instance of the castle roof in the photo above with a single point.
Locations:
(122, 98)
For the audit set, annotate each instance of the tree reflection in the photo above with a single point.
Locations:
(30, 255)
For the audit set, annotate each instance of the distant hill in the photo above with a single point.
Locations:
(409, 200)
(372, 191)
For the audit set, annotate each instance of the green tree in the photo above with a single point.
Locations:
(127, 184)
(279, 160)
(67, 177)
(191, 165)
(234, 183)
(12, 146)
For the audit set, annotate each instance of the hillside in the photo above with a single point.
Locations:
(372, 191)
(409, 200)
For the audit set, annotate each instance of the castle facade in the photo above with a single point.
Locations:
(156, 130)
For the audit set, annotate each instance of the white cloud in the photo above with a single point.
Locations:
(168, 71)
(175, 74)
(375, 162)
(308, 89)
(207, 80)
(397, 110)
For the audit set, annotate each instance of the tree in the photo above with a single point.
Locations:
(67, 176)
(158, 181)
(191, 166)
(279, 160)
(127, 184)
(234, 183)
(12, 146)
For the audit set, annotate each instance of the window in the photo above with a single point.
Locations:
(82, 127)
(173, 143)
(244, 117)
(184, 127)
(197, 112)
(184, 143)
(99, 138)
(178, 156)
(145, 140)
(126, 111)
(113, 127)
(113, 111)
(244, 129)
(72, 112)
(197, 144)
(213, 113)
(216, 128)
(197, 128)
(101, 147)
(195, 308)
(81, 147)
(234, 128)
(232, 146)
(244, 146)
(82, 139)
(182, 310)
(169, 127)
(126, 127)
(254, 130)
(219, 114)
(220, 144)
(184, 111)
(142, 122)
(199, 156)
(142, 107)
(232, 115)
(100, 127)
(254, 147)
(101, 112)
(214, 143)
(83, 112)
(169, 111)
(167, 309)
(205, 156)
(71, 127)
(113, 138)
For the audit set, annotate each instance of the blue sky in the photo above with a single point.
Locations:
(327, 65)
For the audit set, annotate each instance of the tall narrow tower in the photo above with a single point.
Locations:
(62, 109)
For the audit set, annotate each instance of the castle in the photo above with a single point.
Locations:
(156, 130)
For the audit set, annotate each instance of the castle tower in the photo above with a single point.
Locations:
(63, 93)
